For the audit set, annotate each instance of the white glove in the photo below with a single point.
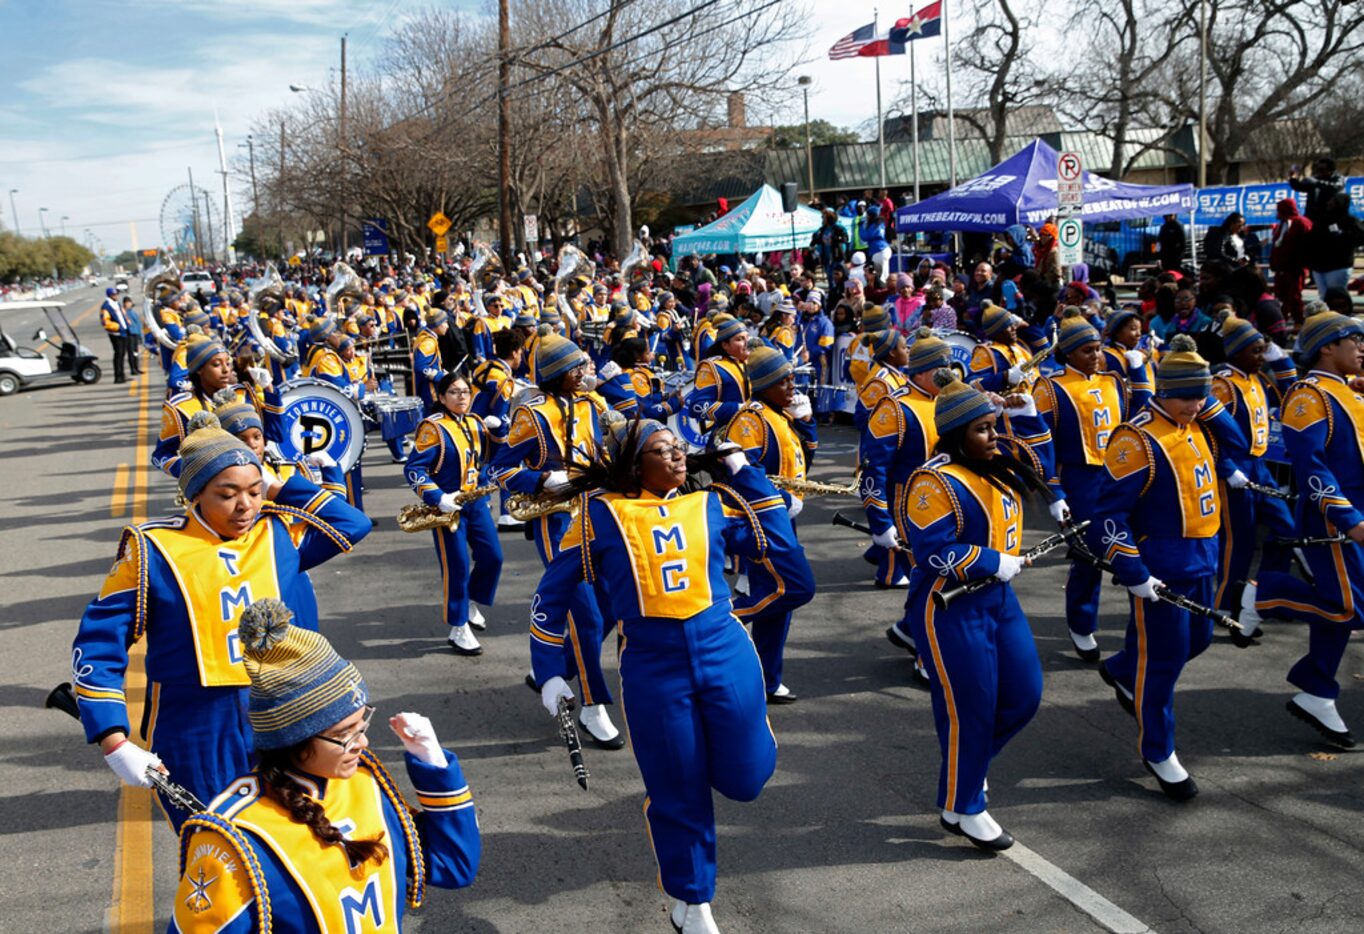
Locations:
(433, 374)
(1059, 511)
(797, 504)
(1015, 375)
(551, 691)
(419, 738)
(261, 377)
(610, 371)
(1147, 588)
(889, 539)
(130, 763)
(1274, 353)
(1237, 480)
(351, 390)
(1009, 566)
(555, 481)
(319, 459)
(492, 422)
(1135, 359)
(800, 408)
(1020, 405)
(735, 461)
(447, 504)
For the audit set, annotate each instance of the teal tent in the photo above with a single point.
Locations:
(759, 225)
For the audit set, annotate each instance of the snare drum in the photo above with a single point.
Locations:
(397, 416)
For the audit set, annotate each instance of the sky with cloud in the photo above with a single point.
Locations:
(105, 105)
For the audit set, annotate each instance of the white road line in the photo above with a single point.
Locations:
(1076, 892)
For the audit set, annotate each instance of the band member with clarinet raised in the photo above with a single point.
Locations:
(691, 684)
(777, 433)
(896, 441)
(448, 452)
(1155, 520)
(182, 583)
(1323, 420)
(317, 837)
(551, 434)
(1244, 390)
(963, 512)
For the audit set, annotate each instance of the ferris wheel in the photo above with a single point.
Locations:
(191, 224)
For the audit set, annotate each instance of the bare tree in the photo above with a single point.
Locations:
(996, 60)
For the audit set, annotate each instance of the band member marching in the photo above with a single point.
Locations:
(1156, 519)
(317, 836)
(1121, 355)
(963, 515)
(875, 318)
(630, 385)
(889, 355)
(779, 438)
(691, 684)
(1323, 418)
(553, 432)
(210, 369)
(427, 368)
(997, 366)
(721, 376)
(448, 452)
(182, 583)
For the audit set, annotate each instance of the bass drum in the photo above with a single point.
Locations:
(680, 424)
(317, 416)
(963, 345)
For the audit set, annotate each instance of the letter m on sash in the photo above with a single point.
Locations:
(234, 601)
(357, 906)
(673, 534)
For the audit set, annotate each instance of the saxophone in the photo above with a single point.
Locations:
(523, 507)
(418, 517)
(806, 488)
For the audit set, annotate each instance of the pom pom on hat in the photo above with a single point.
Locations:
(264, 625)
(225, 396)
(1182, 343)
(1237, 333)
(1075, 331)
(203, 420)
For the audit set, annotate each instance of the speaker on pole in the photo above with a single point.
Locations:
(788, 197)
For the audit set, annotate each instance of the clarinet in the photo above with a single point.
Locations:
(1336, 539)
(1163, 593)
(840, 519)
(942, 598)
(568, 732)
(1265, 489)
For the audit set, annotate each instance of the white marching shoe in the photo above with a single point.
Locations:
(462, 640)
(476, 618)
(981, 829)
(597, 722)
(1320, 713)
(1249, 618)
(692, 919)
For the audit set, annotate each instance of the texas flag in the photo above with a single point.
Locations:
(923, 24)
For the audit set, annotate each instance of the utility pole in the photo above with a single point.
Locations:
(194, 206)
(229, 252)
(341, 149)
(804, 81)
(1202, 93)
(504, 226)
(13, 210)
(255, 193)
(279, 189)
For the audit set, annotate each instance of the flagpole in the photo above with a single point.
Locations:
(914, 119)
(951, 120)
(880, 121)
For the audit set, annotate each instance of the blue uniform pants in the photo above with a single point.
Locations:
(586, 628)
(767, 609)
(462, 582)
(202, 736)
(891, 564)
(985, 680)
(1084, 582)
(1333, 607)
(1161, 640)
(1243, 512)
(355, 486)
(692, 693)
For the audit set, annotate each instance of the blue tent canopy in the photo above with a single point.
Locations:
(759, 225)
(1022, 190)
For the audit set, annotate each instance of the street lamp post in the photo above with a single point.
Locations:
(13, 210)
(65, 218)
(805, 81)
(250, 148)
(42, 222)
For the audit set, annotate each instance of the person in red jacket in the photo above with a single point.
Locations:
(1286, 258)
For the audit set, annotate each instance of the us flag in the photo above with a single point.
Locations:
(851, 44)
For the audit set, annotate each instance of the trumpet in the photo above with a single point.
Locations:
(805, 488)
(523, 507)
(418, 517)
(1036, 360)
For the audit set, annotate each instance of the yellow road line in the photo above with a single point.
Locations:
(133, 908)
(118, 500)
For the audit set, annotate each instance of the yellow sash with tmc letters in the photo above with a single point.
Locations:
(669, 546)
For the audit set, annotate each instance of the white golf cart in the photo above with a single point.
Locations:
(22, 367)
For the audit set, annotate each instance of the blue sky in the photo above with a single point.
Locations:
(104, 105)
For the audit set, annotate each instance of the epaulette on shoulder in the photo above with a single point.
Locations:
(179, 397)
(935, 462)
(1140, 420)
(164, 522)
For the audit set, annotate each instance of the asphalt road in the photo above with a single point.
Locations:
(844, 838)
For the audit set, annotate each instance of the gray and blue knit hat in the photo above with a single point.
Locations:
(957, 404)
(207, 451)
(555, 356)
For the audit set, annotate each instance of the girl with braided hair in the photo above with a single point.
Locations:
(691, 683)
(317, 837)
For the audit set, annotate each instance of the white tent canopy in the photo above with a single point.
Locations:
(759, 225)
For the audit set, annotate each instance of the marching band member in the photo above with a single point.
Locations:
(897, 440)
(182, 582)
(448, 452)
(317, 836)
(721, 386)
(963, 514)
(1155, 519)
(886, 377)
(197, 324)
(167, 313)
(427, 368)
(322, 361)
(493, 384)
(1081, 406)
(209, 369)
(1241, 387)
(779, 330)
(527, 328)
(1322, 422)
(997, 366)
(703, 335)
(630, 385)
(670, 341)
(1122, 333)
(874, 318)
(778, 435)
(279, 333)
(487, 324)
(693, 686)
(555, 431)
